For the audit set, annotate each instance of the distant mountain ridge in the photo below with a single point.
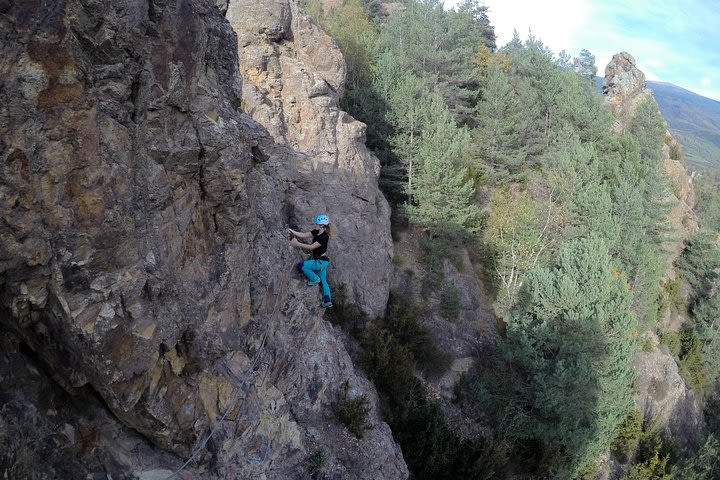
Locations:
(693, 119)
(695, 122)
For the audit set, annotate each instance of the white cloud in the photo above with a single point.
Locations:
(556, 22)
(705, 82)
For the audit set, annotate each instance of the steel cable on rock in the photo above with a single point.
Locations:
(241, 388)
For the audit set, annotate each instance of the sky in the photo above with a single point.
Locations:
(674, 41)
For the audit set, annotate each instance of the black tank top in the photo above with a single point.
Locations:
(322, 239)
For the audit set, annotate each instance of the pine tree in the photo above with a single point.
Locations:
(648, 128)
(407, 110)
(438, 47)
(571, 340)
(443, 194)
(704, 465)
(584, 65)
(501, 125)
(535, 78)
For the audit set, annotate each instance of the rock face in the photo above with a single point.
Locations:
(293, 76)
(661, 393)
(144, 261)
(663, 397)
(624, 88)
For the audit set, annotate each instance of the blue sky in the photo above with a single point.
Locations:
(672, 41)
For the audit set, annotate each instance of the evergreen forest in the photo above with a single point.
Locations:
(508, 151)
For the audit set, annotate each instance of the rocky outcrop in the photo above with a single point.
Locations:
(664, 398)
(661, 395)
(624, 89)
(143, 251)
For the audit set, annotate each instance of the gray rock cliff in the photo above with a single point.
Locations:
(147, 292)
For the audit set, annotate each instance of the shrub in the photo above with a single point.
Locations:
(692, 366)
(317, 461)
(402, 323)
(704, 465)
(646, 345)
(672, 340)
(676, 151)
(434, 250)
(429, 445)
(353, 413)
(628, 436)
(654, 468)
(450, 302)
(674, 295)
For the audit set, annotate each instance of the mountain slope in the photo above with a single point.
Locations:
(694, 120)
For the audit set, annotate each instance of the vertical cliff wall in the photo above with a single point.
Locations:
(144, 265)
(293, 76)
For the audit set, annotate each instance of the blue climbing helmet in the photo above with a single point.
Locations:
(322, 219)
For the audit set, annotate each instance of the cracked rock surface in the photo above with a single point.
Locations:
(147, 292)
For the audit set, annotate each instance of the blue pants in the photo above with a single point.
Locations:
(309, 267)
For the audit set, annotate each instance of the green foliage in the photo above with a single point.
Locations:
(348, 24)
(502, 123)
(651, 459)
(584, 65)
(317, 461)
(648, 128)
(692, 367)
(515, 238)
(708, 331)
(704, 465)
(707, 198)
(392, 348)
(676, 151)
(422, 51)
(450, 302)
(434, 250)
(571, 339)
(654, 468)
(429, 444)
(447, 114)
(353, 413)
(437, 46)
(628, 436)
(674, 295)
(699, 263)
(672, 340)
(442, 195)
(637, 200)
(400, 337)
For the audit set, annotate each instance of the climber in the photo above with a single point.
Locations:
(318, 261)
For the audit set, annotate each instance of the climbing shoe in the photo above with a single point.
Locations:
(311, 283)
(326, 302)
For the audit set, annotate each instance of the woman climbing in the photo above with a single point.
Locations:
(318, 261)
